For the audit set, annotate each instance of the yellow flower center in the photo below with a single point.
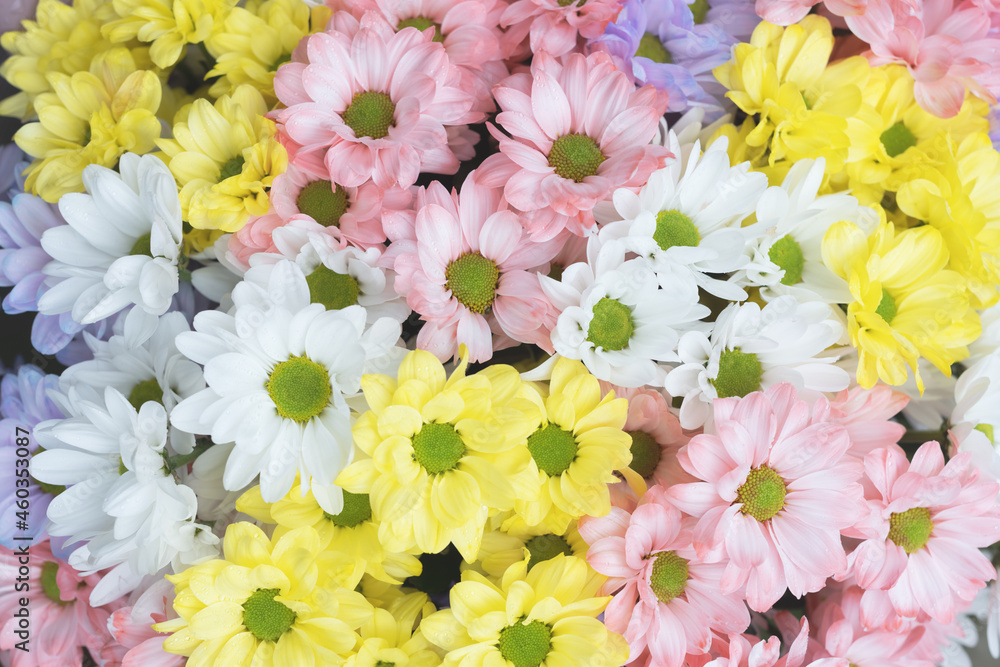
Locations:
(232, 168)
(886, 307)
(421, 23)
(334, 290)
(525, 644)
(612, 326)
(739, 374)
(669, 575)
(911, 529)
(646, 453)
(673, 228)
(651, 47)
(553, 449)
(787, 254)
(546, 547)
(49, 584)
(438, 447)
(897, 139)
(473, 281)
(141, 246)
(148, 390)
(300, 388)
(763, 494)
(699, 10)
(323, 201)
(370, 114)
(575, 156)
(265, 618)
(357, 510)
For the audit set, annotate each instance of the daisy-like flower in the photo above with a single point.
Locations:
(777, 492)
(372, 112)
(276, 386)
(543, 616)
(133, 639)
(121, 246)
(263, 603)
(505, 546)
(666, 598)
(91, 117)
(120, 498)
(656, 436)
(753, 348)
(224, 157)
(751, 651)
(170, 26)
(578, 130)
(974, 423)
(444, 452)
(390, 638)
(925, 525)
(554, 26)
(867, 415)
(469, 274)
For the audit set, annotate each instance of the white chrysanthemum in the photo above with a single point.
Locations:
(753, 348)
(121, 246)
(616, 318)
(142, 369)
(279, 370)
(688, 217)
(976, 417)
(120, 499)
(337, 276)
(788, 257)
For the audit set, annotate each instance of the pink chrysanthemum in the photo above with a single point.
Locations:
(750, 651)
(579, 130)
(466, 273)
(554, 26)
(62, 622)
(948, 47)
(376, 101)
(867, 415)
(925, 526)
(787, 12)
(667, 597)
(134, 641)
(777, 492)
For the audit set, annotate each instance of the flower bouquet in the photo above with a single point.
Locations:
(501, 333)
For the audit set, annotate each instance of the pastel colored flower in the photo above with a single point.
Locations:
(777, 492)
(392, 638)
(867, 414)
(785, 12)
(170, 26)
(505, 546)
(133, 639)
(974, 425)
(578, 130)
(373, 113)
(553, 26)
(745, 650)
(656, 436)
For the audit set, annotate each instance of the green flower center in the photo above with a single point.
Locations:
(141, 246)
(553, 449)
(699, 10)
(300, 388)
(886, 307)
(333, 290)
(545, 547)
(266, 619)
(646, 453)
(787, 254)
(232, 168)
(370, 114)
(49, 585)
(525, 644)
(668, 576)
(763, 494)
(323, 201)
(612, 326)
(911, 529)
(651, 47)
(739, 374)
(438, 447)
(673, 228)
(987, 430)
(473, 280)
(148, 390)
(575, 156)
(421, 23)
(897, 139)
(357, 509)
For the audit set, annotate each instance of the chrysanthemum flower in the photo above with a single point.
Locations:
(375, 102)
(389, 638)
(777, 492)
(867, 415)
(92, 117)
(543, 616)
(666, 597)
(579, 130)
(746, 650)
(133, 639)
(554, 26)
(656, 436)
(926, 523)
(262, 603)
(505, 546)
(444, 452)
(169, 25)
(224, 158)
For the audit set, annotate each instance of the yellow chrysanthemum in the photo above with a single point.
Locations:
(445, 452)
(350, 538)
(906, 304)
(169, 24)
(253, 42)
(91, 118)
(261, 604)
(503, 547)
(576, 446)
(225, 157)
(543, 617)
(389, 638)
